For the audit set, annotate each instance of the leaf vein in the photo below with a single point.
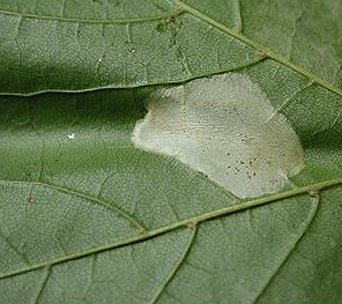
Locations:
(178, 265)
(88, 197)
(260, 47)
(87, 21)
(312, 215)
(44, 283)
(239, 206)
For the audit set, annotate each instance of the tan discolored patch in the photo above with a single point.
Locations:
(226, 128)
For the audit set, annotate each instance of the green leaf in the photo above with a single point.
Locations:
(88, 217)
(58, 47)
(305, 35)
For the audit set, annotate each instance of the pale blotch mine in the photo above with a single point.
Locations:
(226, 128)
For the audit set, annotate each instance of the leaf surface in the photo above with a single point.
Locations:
(87, 217)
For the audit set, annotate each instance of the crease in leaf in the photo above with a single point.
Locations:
(226, 128)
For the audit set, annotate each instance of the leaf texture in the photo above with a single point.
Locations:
(87, 217)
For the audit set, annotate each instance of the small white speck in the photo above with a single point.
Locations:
(100, 59)
(71, 136)
(133, 50)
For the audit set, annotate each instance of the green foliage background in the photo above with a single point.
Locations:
(92, 219)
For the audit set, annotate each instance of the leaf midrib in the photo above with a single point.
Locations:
(189, 223)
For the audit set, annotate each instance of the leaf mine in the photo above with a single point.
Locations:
(226, 128)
